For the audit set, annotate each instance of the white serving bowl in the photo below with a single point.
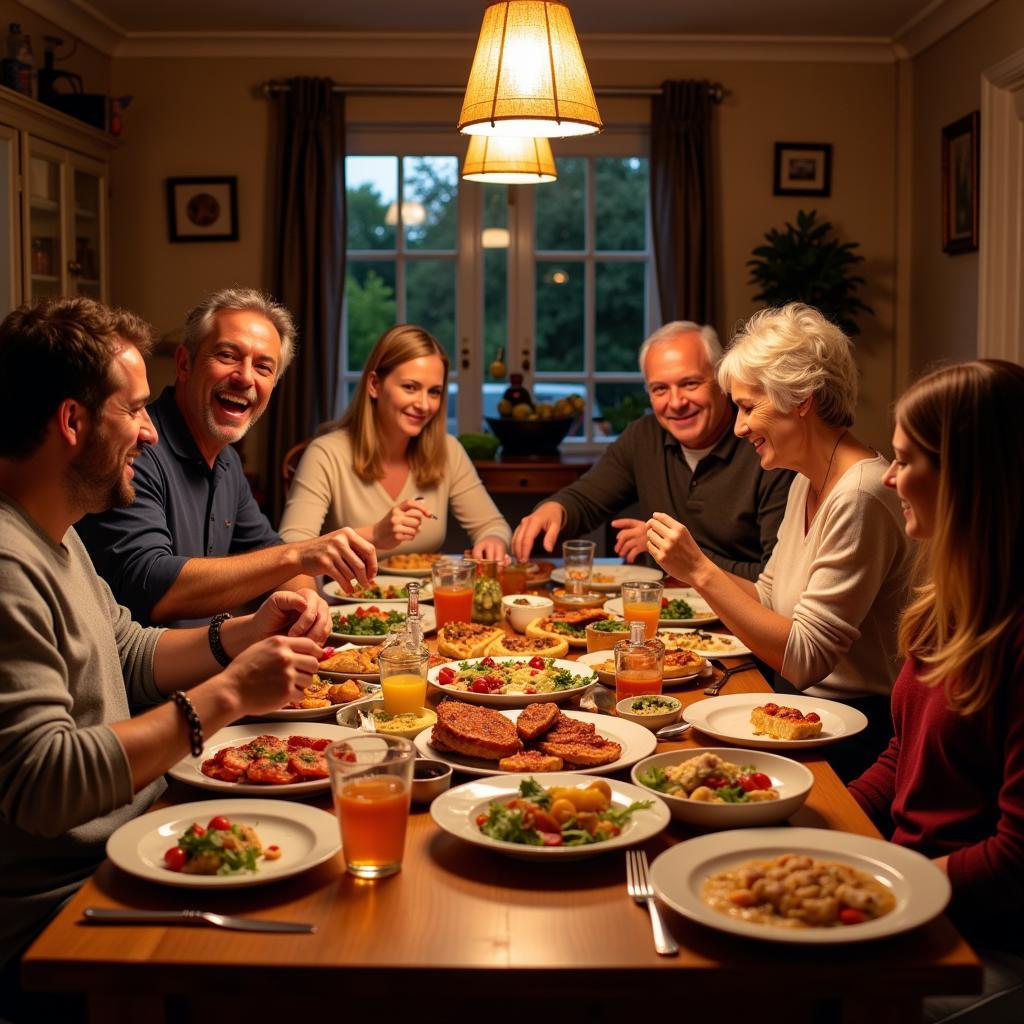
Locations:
(519, 616)
(348, 715)
(792, 779)
(650, 721)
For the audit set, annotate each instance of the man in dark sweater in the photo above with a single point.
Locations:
(684, 460)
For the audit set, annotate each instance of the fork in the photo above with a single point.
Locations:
(638, 886)
(716, 687)
(111, 915)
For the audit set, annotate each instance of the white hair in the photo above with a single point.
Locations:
(712, 346)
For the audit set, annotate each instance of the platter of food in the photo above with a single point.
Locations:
(271, 840)
(678, 608)
(567, 625)
(466, 639)
(416, 564)
(538, 738)
(321, 699)
(708, 645)
(272, 759)
(370, 623)
(511, 682)
(609, 578)
(558, 816)
(387, 590)
(874, 889)
(750, 720)
(352, 661)
(681, 668)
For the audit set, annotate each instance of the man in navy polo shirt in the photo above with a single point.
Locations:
(194, 542)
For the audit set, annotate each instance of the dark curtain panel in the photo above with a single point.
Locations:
(681, 200)
(308, 262)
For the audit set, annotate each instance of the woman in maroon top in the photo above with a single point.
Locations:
(951, 782)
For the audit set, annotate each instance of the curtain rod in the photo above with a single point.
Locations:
(272, 88)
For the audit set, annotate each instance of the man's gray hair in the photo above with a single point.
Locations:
(708, 335)
(199, 321)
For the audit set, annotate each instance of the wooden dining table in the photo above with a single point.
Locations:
(462, 933)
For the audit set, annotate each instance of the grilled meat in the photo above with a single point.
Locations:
(535, 720)
(474, 731)
(578, 744)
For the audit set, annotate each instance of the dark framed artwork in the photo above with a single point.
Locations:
(960, 185)
(803, 169)
(202, 209)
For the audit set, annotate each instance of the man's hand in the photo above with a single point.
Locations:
(273, 672)
(632, 538)
(673, 548)
(401, 524)
(547, 519)
(491, 548)
(293, 613)
(342, 555)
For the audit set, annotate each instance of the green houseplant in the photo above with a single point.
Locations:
(804, 263)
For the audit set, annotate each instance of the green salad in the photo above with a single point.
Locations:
(677, 608)
(610, 626)
(366, 621)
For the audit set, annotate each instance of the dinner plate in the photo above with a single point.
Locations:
(595, 658)
(538, 571)
(340, 677)
(188, 769)
(385, 566)
(367, 689)
(608, 578)
(333, 590)
(427, 618)
(720, 645)
(306, 835)
(456, 810)
(512, 700)
(703, 611)
(728, 718)
(920, 888)
(637, 743)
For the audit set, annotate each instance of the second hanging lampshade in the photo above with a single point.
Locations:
(504, 160)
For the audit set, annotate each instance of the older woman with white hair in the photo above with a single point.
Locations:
(823, 612)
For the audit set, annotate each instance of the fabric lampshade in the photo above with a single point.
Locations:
(504, 160)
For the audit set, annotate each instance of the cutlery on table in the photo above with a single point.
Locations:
(112, 915)
(716, 687)
(639, 887)
(366, 720)
(670, 732)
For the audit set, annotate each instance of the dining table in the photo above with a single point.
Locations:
(464, 933)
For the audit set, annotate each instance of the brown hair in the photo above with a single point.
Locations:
(964, 621)
(55, 350)
(427, 452)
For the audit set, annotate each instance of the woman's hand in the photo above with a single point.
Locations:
(401, 524)
(673, 548)
(632, 538)
(491, 548)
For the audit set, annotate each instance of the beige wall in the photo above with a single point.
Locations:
(947, 85)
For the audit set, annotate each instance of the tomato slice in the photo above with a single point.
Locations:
(537, 662)
(550, 838)
(219, 823)
(446, 676)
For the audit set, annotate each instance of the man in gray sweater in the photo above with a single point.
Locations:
(684, 459)
(74, 764)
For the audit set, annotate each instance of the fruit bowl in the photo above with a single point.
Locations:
(531, 437)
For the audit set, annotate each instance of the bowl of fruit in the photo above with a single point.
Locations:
(525, 427)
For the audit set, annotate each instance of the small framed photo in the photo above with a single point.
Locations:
(202, 209)
(960, 185)
(803, 169)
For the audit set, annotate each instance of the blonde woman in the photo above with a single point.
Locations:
(389, 469)
(951, 783)
(822, 614)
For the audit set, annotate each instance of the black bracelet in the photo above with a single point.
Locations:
(216, 647)
(195, 727)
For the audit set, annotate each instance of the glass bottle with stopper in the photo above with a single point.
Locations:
(403, 662)
(638, 664)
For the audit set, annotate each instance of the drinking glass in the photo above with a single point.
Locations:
(638, 667)
(453, 590)
(371, 780)
(513, 577)
(578, 556)
(641, 602)
(403, 677)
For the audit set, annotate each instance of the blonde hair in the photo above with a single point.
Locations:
(963, 624)
(795, 353)
(428, 452)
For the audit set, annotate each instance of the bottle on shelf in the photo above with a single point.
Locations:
(19, 64)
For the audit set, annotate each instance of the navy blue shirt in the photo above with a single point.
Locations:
(183, 509)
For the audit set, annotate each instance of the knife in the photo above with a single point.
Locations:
(113, 915)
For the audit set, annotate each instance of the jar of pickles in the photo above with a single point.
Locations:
(486, 592)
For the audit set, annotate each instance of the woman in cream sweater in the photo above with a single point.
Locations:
(389, 469)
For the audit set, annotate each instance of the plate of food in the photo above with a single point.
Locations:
(678, 608)
(321, 699)
(388, 590)
(458, 639)
(264, 841)
(538, 738)
(679, 669)
(608, 578)
(352, 661)
(751, 720)
(567, 625)
(538, 572)
(561, 816)
(417, 564)
(370, 623)
(708, 645)
(874, 889)
(270, 759)
(511, 682)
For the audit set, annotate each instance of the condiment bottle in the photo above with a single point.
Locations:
(486, 592)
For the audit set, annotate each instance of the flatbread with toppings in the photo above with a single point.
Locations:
(571, 625)
(466, 639)
(528, 646)
(697, 640)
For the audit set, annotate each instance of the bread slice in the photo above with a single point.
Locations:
(531, 761)
(466, 639)
(784, 723)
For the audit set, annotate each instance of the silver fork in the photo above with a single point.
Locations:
(716, 687)
(639, 887)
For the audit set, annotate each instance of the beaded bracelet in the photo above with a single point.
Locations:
(216, 647)
(195, 727)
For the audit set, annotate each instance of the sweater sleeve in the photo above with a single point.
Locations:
(310, 496)
(875, 790)
(472, 506)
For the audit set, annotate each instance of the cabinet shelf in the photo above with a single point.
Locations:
(46, 278)
(83, 213)
(47, 205)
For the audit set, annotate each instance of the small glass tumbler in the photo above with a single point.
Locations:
(578, 556)
(453, 590)
(641, 602)
(403, 677)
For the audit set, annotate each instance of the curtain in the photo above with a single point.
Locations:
(681, 200)
(308, 262)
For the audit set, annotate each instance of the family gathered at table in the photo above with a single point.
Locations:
(130, 540)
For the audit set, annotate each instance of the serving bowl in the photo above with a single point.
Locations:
(652, 720)
(575, 602)
(520, 615)
(530, 437)
(602, 639)
(349, 715)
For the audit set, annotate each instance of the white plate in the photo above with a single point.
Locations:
(728, 718)
(384, 568)
(595, 658)
(188, 769)
(735, 649)
(340, 677)
(427, 617)
(513, 700)
(637, 743)
(311, 714)
(333, 590)
(619, 574)
(456, 811)
(307, 837)
(703, 612)
(920, 888)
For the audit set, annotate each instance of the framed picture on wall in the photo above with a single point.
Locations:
(202, 209)
(960, 185)
(803, 169)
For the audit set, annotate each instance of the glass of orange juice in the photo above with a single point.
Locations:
(371, 779)
(403, 677)
(453, 590)
(638, 664)
(641, 602)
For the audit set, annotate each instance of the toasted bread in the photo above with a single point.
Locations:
(784, 723)
(466, 639)
(536, 719)
(529, 646)
(474, 731)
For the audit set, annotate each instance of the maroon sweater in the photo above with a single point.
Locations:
(955, 785)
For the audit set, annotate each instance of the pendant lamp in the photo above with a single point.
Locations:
(504, 160)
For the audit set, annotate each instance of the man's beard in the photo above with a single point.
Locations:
(97, 477)
(229, 434)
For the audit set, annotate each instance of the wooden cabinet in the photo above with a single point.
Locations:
(532, 476)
